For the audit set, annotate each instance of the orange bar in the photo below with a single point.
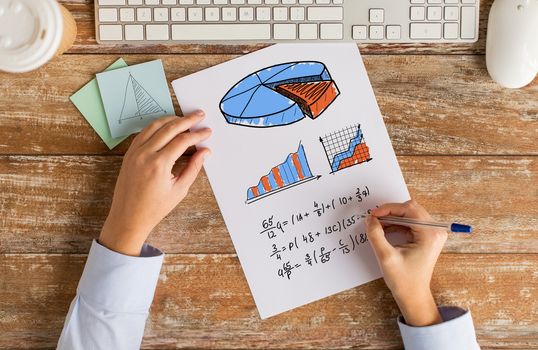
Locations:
(278, 179)
(255, 191)
(266, 184)
(297, 164)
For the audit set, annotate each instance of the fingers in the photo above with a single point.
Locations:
(409, 209)
(150, 129)
(175, 148)
(170, 130)
(190, 172)
(376, 236)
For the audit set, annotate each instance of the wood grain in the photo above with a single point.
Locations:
(448, 106)
(83, 11)
(203, 301)
(58, 204)
(467, 149)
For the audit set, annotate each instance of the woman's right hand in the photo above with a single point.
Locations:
(408, 268)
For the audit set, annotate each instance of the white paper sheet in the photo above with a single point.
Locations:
(308, 206)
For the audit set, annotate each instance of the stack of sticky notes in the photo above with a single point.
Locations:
(124, 99)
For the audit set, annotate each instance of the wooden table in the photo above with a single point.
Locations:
(467, 149)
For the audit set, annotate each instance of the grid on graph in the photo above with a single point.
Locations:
(345, 148)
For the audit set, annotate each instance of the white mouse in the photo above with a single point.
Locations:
(512, 42)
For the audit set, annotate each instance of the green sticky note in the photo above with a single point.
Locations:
(89, 103)
(134, 96)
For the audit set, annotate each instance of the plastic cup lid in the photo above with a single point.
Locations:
(30, 33)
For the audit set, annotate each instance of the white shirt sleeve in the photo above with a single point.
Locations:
(113, 299)
(456, 332)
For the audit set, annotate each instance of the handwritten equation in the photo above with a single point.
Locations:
(292, 249)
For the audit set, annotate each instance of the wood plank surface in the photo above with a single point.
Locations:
(467, 149)
(448, 106)
(58, 204)
(83, 11)
(203, 301)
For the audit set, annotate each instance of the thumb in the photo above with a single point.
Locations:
(376, 237)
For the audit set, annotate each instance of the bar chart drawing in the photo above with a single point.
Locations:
(345, 148)
(294, 171)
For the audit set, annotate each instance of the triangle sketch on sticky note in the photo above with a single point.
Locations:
(137, 102)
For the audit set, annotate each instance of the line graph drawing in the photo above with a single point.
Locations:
(294, 171)
(280, 95)
(345, 148)
(137, 102)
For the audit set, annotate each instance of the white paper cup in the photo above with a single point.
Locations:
(31, 33)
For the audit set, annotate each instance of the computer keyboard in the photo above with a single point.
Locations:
(269, 21)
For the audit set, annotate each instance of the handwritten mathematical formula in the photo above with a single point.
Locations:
(286, 242)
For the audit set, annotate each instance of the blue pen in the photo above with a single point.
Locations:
(451, 227)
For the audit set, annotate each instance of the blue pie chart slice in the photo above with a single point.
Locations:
(254, 101)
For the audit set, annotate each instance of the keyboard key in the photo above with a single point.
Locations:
(417, 13)
(325, 13)
(157, 32)
(212, 14)
(297, 13)
(127, 15)
(331, 31)
(377, 32)
(451, 31)
(111, 2)
(246, 14)
(160, 14)
(194, 14)
(377, 15)
(308, 31)
(229, 14)
(468, 22)
(434, 13)
(452, 13)
(425, 31)
(134, 2)
(134, 32)
(280, 13)
(110, 32)
(236, 31)
(394, 32)
(178, 14)
(143, 14)
(359, 32)
(108, 15)
(285, 31)
(263, 13)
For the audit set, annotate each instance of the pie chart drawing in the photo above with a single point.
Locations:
(280, 95)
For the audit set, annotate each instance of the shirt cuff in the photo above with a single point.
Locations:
(456, 332)
(120, 283)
